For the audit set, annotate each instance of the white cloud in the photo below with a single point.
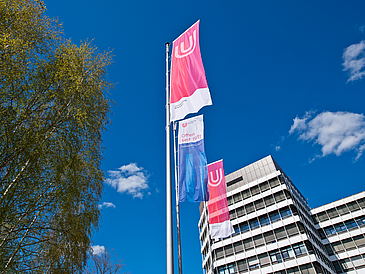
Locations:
(107, 205)
(129, 179)
(335, 132)
(98, 249)
(354, 61)
(277, 148)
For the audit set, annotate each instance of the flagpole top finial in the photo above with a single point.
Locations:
(167, 43)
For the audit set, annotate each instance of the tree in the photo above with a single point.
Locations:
(103, 263)
(53, 110)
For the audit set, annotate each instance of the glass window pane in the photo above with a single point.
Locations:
(264, 186)
(285, 213)
(264, 221)
(322, 216)
(274, 182)
(269, 200)
(254, 224)
(361, 202)
(250, 208)
(237, 197)
(242, 265)
(360, 221)
(240, 211)
(255, 190)
(292, 229)
(348, 244)
(275, 216)
(353, 206)
(359, 240)
(264, 259)
(340, 227)
(280, 233)
(245, 194)
(238, 247)
(330, 231)
(259, 204)
(230, 200)
(279, 196)
(342, 210)
(258, 240)
(351, 224)
(332, 213)
(269, 237)
(232, 214)
(337, 247)
(358, 261)
(248, 243)
(244, 227)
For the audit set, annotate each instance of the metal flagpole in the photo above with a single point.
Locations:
(177, 204)
(169, 236)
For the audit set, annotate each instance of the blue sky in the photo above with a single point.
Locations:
(285, 79)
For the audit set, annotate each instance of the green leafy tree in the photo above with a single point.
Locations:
(53, 110)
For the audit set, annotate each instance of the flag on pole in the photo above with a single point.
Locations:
(220, 225)
(193, 173)
(189, 88)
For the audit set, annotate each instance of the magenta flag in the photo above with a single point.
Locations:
(220, 225)
(189, 88)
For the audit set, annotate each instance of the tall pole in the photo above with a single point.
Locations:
(169, 236)
(177, 205)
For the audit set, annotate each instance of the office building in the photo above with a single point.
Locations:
(276, 232)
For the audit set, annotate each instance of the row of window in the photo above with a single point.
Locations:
(311, 231)
(238, 267)
(263, 220)
(339, 211)
(295, 192)
(348, 264)
(290, 252)
(311, 268)
(259, 204)
(259, 240)
(253, 191)
(342, 227)
(345, 245)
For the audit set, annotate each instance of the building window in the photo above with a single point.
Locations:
(340, 227)
(299, 249)
(287, 253)
(240, 211)
(275, 257)
(330, 231)
(360, 221)
(285, 213)
(322, 216)
(264, 221)
(264, 186)
(353, 206)
(351, 224)
(254, 224)
(275, 216)
(244, 227)
(342, 210)
(269, 200)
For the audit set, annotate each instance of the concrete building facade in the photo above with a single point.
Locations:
(276, 232)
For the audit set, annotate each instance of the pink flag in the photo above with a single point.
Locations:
(189, 88)
(220, 225)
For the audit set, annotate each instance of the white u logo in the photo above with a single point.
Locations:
(215, 182)
(189, 50)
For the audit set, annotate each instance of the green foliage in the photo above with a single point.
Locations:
(53, 110)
